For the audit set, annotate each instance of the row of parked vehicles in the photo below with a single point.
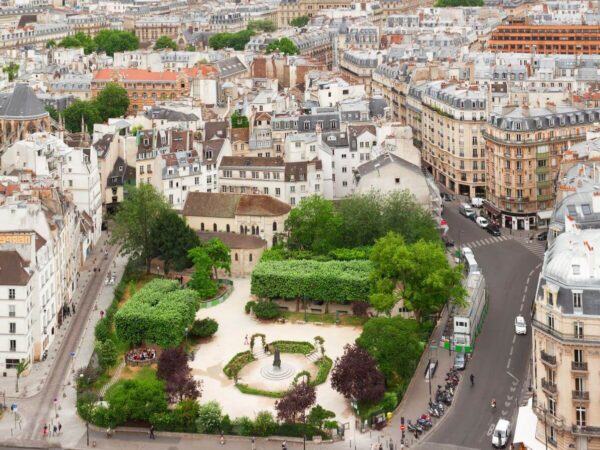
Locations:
(469, 212)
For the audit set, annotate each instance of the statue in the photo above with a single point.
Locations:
(277, 359)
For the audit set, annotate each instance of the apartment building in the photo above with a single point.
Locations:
(359, 65)
(453, 148)
(524, 149)
(565, 342)
(149, 29)
(290, 9)
(90, 24)
(143, 87)
(522, 36)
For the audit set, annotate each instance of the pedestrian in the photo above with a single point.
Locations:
(284, 445)
(380, 446)
(253, 442)
(152, 432)
(108, 433)
(472, 377)
(73, 308)
(45, 431)
(222, 440)
(54, 430)
(246, 340)
(59, 428)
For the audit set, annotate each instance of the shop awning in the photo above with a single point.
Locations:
(491, 208)
(545, 215)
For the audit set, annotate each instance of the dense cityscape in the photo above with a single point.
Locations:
(291, 224)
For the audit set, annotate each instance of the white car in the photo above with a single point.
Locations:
(501, 434)
(482, 222)
(520, 325)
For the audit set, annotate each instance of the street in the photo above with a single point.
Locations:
(500, 361)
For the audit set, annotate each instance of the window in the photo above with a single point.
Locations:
(250, 257)
(228, 228)
(577, 300)
(277, 192)
(214, 227)
(202, 226)
(196, 180)
(12, 311)
(585, 208)
(317, 187)
(344, 170)
(227, 174)
(578, 330)
(576, 269)
(12, 363)
(266, 190)
(292, 189)
(12, 327)
(274, 226)
(580, 416)
(344, 183)
(255, 175)
(11, 294)
(550, 321)
(579, 384)
(552, 406)
(292, 201)
(236, 257)
(550, 298)
(242, 174)
(13, 345)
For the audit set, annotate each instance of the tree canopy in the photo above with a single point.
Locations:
(12, 70)
(52, 112)
(78, 109)
(111, 41)
(135, 220)
(112, 101)
(239, 121)
(419, 273)
(219, 254)
(395, 345)
(300, 21)
(356, 376)
(261, 25)
(171, 239)
(237, 40)
(295, 403)
(283, 45)
(135, 400)
(174, 370)
(454, 3)
(202, 281)
(165, 42)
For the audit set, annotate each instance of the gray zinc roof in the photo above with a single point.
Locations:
(22, 103)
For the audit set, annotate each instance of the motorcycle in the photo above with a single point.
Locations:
(44, 355)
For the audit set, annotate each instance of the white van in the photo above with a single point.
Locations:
(477, 202)
(501, 433)
(466, 210)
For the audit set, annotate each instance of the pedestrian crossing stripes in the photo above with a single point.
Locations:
(536, 247)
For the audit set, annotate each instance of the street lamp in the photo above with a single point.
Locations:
(305, 314)
(87, 433)
(304, 434)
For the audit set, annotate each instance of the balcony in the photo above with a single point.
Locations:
(543, 184)
(578, 366)
(583, 430)
(548, 359)
(548, 387)
(542, 155)
(545, 197)
(581, 395)
(542, 170)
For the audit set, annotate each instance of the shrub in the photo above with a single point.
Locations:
(350, 254)
(159, 314)
(266, 310)
(264, 424)
(204, 328)
(209, 418)
(245, 389)
(293, 347)
(102, 330)
(236, 363)
(249, 306)
(297, 430)
(324, 364)
(243, 426)
(182, 419)
(360, 308)
(136, 400)
(107, 354)
(332, 281)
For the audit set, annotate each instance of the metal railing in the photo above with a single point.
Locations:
(580, 395)
(548, 386)
(579, 365)
(549, 359)
(586, 430)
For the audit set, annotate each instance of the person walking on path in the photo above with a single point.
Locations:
(45, 432)
(54, 430)
(472, 377)
(152, 432)
(253, 442)
(222, 440)
(284, 445)
(246, 340)
(59, 428)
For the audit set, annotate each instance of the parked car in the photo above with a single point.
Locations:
(542, 236)
(493, 229)
(520, 325)
(460, 361)
(501, 433)
(467, 211)
(477, 202)
(482, 221)
(446, 197)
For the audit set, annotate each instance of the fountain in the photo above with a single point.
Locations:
(278, 370)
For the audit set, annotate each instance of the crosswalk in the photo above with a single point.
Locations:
(536, 247)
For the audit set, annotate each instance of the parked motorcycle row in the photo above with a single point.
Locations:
(437, 406)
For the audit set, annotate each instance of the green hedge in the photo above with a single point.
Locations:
(266, 310)
(245, 389)
(331, 281)
(204, 328)
(324, 364)
(159, 313)
(236, 363)
(293, 347)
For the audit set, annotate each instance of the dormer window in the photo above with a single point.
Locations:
(576, 269)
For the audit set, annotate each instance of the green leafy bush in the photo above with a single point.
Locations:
(136, 400)
(236, 363)
(107, 353)
(332, 281)
(209, 418)
(293, 347)
(204, 328)
(264, 424)
(159, 313)
(248, 307)
(266, 310)
(182, 419)
(324, 364)
(245, 389)
(243, 426)
(350, 254)
(297, 430)
(102, 330)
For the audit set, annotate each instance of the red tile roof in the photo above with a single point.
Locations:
(134, 75)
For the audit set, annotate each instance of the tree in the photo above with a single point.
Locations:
(112, 101)
(356, 376)
(283, 45)
(51, 43)
(79, 109)
(202, 281)
(79, 40)
(264, 424)
(204, 328)
(107, 353)
(135, 400)
(165, 42)
(174, 370)
(296, 401)
(261, 25)
(383, 302)
(318, 415)
(12, 70)
(209, 418)
(361, 219)
(190, 48)
(134, 221)
(21, 367)
(111, 41)
(402, 214)
(52, 112)
(455, 3)
(171, 239)
(237, 41)
(300, 21)
(239, 121)
(419, 273)
(220, 256)
(395, 345)
(313, 225)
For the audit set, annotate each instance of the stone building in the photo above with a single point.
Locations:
(21, 114)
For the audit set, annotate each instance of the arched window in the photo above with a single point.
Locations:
(214, 227)
(202, 226)
(228, 229)
(246, 229)
(241, 229)
(236, 257)
(250, 257)
(274, 240)
(274, 226)
(253, 230)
